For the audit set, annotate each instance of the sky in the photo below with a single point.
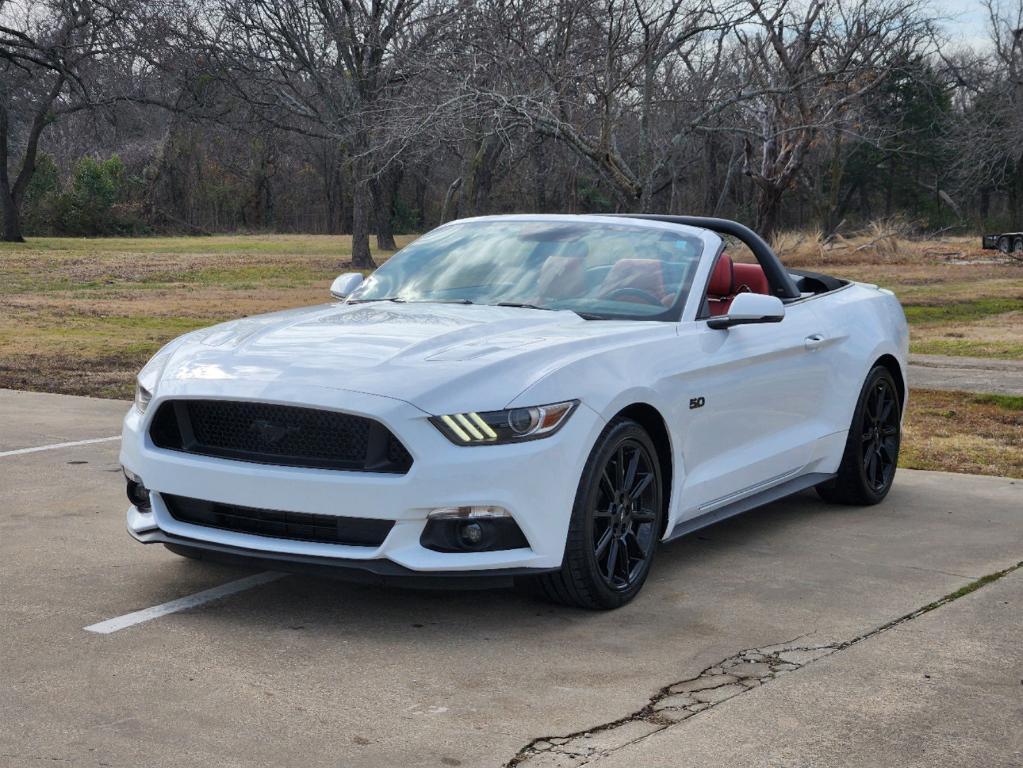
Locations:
(967, 20)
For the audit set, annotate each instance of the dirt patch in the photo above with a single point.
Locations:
(960, 432)
(998, 335)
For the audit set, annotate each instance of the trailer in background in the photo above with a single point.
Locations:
(1010, 243)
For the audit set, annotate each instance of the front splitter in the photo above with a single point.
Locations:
(376, 571)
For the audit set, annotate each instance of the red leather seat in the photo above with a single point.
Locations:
(729, 280)
(720, 287)
(750, 278)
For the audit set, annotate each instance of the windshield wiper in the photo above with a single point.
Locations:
(583, 315)
(395, 299)
(522, 305)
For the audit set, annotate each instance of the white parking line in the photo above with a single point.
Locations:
(182, 603)
(54, 446)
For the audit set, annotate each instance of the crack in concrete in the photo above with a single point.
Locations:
(673, 704)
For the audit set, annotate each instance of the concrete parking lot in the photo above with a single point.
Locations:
(295, 671)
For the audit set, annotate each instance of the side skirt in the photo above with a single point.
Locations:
(759, 499)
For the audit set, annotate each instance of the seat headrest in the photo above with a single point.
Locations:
(562, 277)
(642, 274)
(750, 278)
(723, 277)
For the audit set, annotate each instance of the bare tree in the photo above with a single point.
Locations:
(327, 69)
(814, 63)
(593, 77)
(49, 52)
(988, 135)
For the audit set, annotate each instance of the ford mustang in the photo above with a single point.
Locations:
(529, 398)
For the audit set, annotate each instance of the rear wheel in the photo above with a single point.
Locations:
(872, 448)
(1004, 244)
(1017, 248)
(616, 523)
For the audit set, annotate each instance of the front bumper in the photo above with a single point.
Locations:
(535, 481)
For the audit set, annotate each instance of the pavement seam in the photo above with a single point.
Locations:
(673, 704)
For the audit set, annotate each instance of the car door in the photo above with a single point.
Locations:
(755, 405)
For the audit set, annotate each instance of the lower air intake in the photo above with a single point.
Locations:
(298, 526)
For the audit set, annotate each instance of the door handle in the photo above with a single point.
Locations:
(813, 341)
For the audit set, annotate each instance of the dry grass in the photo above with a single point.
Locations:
(959, 432)
(881, 242)
(82, 316)
(958, 298)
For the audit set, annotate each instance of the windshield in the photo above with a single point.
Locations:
(599, 270)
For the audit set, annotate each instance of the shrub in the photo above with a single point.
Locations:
(87, 208)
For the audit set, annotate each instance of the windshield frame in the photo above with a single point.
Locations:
(708, 242)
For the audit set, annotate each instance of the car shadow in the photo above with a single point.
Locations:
(688, 566)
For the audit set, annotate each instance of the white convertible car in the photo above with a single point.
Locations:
(527, 397)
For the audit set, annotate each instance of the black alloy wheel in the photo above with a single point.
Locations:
(616, 523)
(880, 428)
(624, 516)
(871, 455)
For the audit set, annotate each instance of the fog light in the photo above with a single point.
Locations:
(465, 513)
(472, 529)
(471, 534)
(138, 494)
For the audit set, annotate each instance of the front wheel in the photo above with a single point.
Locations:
(872, 448)
(616, 522)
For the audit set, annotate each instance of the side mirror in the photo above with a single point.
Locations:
(345, 284)
(750, 308)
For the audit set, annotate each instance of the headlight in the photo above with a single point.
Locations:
(514, 425)
(149, 376)
(142, 397)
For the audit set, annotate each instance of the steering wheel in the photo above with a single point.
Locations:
(634, 293)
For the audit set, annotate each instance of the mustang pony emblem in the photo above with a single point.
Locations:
(270, 434)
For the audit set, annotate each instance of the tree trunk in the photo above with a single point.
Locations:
(540, 171)
(712, 184)
(362, 198)
(12, 218)
(449, 200)
(889, 192)
(479, 177)
(385, 189)
(768, 209)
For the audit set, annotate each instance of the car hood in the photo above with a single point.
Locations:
(439, 357)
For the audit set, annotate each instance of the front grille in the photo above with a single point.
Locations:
(299, 526)
(278, 434)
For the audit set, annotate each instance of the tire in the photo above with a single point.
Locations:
(1017, 247)
(1004, 244)
(616, 523)
(872, 448)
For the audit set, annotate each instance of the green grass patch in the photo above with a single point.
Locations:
(1002, 350)
(973, 586)
(1006, 402)
(283, 275)
(962, 311)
